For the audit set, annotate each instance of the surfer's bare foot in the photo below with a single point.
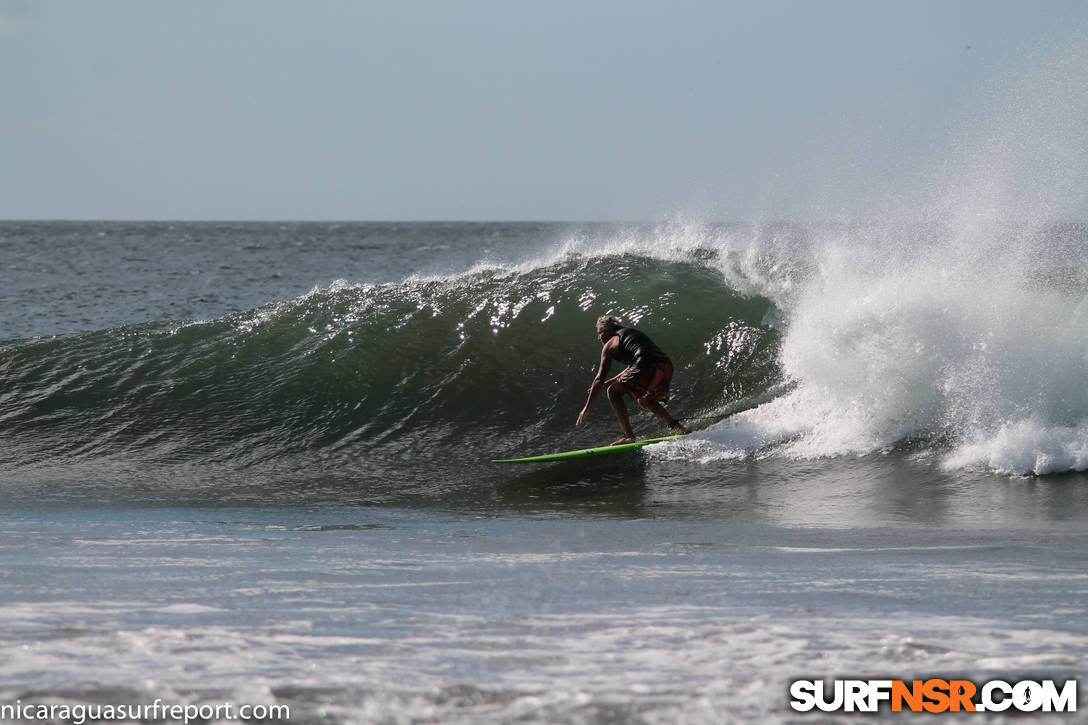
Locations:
(678, 427)
(625, 439)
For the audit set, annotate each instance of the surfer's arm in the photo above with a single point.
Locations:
(599, 382)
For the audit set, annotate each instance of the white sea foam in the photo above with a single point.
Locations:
(473, 619)
(1027, 446)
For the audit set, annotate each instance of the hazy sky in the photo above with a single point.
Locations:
(473, 110)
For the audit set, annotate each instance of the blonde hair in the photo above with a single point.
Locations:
(609, 323)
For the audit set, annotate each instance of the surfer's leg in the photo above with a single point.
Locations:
(616, 393)
(659, 410)
(652, 391)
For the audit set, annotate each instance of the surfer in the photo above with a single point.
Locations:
(646, 377)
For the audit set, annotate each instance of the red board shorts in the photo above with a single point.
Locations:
(638, 381)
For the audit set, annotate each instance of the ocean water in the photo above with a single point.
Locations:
(250, 463)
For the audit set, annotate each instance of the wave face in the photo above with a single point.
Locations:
(414, 380)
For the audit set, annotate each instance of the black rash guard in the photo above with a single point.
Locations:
(637, 349)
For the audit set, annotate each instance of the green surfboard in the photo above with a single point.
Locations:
(587, 452)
